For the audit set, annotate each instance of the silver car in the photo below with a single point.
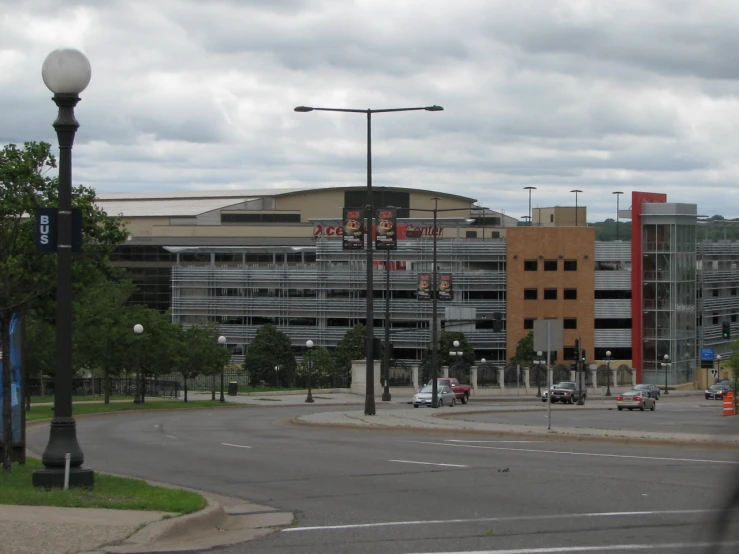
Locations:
(635, 400)
(445, 396)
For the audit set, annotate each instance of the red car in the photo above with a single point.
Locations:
(461, 392)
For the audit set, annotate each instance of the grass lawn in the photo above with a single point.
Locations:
(109, 492)
(45, 412)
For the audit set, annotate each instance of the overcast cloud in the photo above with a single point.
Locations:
(596, 95)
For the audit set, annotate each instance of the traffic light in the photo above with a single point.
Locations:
(726, 330)
(583, 357)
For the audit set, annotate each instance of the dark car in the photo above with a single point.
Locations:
(567, 392)
(650, 390)
(716, 391)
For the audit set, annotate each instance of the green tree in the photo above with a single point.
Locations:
(524, 350)
(101, 329)
(270, 347)
(351, 347)
(322, 367)
(27, 277)
(40, 346)
(446, 345)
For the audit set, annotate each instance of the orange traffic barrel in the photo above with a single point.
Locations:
(729, 403)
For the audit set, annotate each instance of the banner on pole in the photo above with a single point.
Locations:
(353, 229)
(387, 236)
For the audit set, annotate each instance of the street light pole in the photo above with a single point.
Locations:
(666, 366)
(138, 329)
(456, 354)
(386, 396)
(222, 340)
(529, 189)
(576, 191)
(309, 367)
(66, 72)
(539, 362)
(369, 399)
(618, 197)
(434, 309)
(608, 381)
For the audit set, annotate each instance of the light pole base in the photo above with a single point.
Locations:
(310, 398)
(608, 393)
(53, 478)
(386, 396)
(223, 398)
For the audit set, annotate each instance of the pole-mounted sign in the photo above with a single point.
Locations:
(47, 230)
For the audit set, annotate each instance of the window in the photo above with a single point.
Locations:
(733, 318)
(530, 265)
(570, 265)
(570, 323)
(733, 291)
(714, 319)
(528, 323)
(470, 234)
(612, 294)
(495, 234)
(260, 218)
(529, 294)
(714, 292)
(550, 265)
(550, 294)
(570, 294)
(551, 218)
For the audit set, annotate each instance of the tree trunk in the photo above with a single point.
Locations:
(106, 385)
(213, 388)
(41, 381)
(185, 388)
(7, 425)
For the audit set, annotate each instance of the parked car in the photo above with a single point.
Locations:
(651, 390)
(545, 393)
(444, 395)
(461, 392)
(635, 399)
(567, 392)
(716, 391)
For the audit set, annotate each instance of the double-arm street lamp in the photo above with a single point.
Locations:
(222, 340)
(66, 72)
(576, 191)
(138, 398)
(309, 369)
(618, 194)
(369, 399)
(455, 354)
(666, 367)
(608, 365)
(529, 189)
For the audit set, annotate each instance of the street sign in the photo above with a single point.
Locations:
(707, 357)
(714, 372)
(554, 328)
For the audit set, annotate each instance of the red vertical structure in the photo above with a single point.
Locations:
(637, 275)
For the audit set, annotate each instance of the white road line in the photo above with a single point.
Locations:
(170, 436)
(568, 453)
(426, 463)
(234, 445)
(489, 519)
(603, 548)
(516, 442)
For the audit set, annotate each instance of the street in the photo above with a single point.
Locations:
(403, 491)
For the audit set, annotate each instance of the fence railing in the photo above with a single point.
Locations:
(95, 386)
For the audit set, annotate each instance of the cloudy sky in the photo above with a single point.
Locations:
(596, 95)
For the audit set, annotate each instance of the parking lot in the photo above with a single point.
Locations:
(685, 414)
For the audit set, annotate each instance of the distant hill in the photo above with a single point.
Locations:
(715, 228)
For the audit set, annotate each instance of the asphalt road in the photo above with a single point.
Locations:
(416, 492)
(686, 414)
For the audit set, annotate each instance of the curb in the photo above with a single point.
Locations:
(553, 435)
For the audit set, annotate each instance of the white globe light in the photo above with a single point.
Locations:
(138, 329)
(540, 353)
(309, 343)
(483, 360)
(221, 340)
(456, 344)
(608, 353)
(66, 71)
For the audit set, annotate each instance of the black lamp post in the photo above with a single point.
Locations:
(309, 367)
(576, 191)
(618, 194)
(386, 396)
(222, 340)
(539, 362)
(369, 399)
(666, 367)
(529, 189)
(137, 399)
(455, 354)
(608, 365)
(66, 72)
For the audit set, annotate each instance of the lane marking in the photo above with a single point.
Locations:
(170, 436)
(489, 519)
(604, 548)
(569, 453)
(234, 445)
(426, 463)
(516, 442)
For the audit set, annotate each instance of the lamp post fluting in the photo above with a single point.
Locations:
(608, 378)
(576, 191)
(666, 367)
(369, 399)
(222, 341)
(309, 368)
(66, 72)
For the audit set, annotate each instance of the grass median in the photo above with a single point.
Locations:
(46, 412)
(110, 492)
